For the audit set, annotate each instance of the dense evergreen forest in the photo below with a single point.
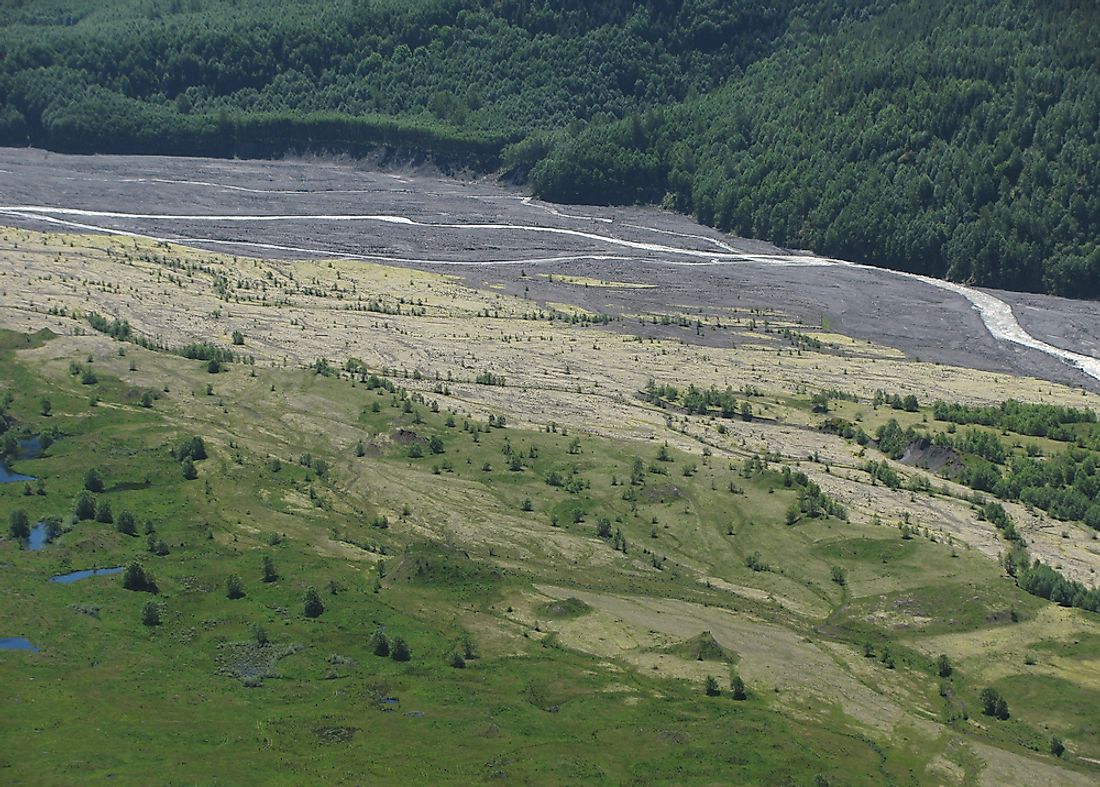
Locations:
(957, 139)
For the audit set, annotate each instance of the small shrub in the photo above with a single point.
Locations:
(93, 481)
(150, 613)
(710, 686)
(234, 587)
(269, 572)
(126, 523)
(400, 650)
(19, 524)
(312, 606)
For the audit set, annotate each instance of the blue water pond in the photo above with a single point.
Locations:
(76, 576)
(17, 643)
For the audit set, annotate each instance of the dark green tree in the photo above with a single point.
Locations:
(312, 605)
(993, 704)
(269, 572)
(379, 645)
(234, 587)
(150, 613)
(400, 650)
(126, 523)
(259, 635)
(710, 686)
(103, 512)
(84, 506)
(943, 666)
(138, 579)
(737, 688)
(93, 481)
(19, 524)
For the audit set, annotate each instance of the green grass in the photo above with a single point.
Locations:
(457, 553)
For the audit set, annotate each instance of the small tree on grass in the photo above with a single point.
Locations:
(234, 587)
(379, 645)
(46, 407)
(993, 704)
(400, 650)
(193, 447)
(943, 666)
(138, 579)
(93, 481)
(19, 524)
(150, 613)
(187, 468)
(1057, 748)
(839, 575)
(269, 572)
(456, 660)
(313, 607)
(157, 546)
(84, 506)
(126, 523)
(103, 512)
(737, 688)
(259, 634)
(710, 686)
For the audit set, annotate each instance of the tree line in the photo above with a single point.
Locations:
(957, 140)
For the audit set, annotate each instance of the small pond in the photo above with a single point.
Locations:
(39, 537)
(29, 448)
(9, 476)
(17, 643)
(76, 576)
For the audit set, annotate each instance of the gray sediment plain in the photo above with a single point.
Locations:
(494, 235)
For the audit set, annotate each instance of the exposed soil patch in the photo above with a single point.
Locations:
(937, 458)
(408, 437)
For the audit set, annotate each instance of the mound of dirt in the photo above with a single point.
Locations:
(937, 458)
(566, 608)
(702, 647)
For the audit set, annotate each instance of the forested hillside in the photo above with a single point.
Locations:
(954, 139)
(957, 139)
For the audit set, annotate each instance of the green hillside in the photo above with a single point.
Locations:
(953, 139)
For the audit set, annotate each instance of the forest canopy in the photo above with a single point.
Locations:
(955, 139)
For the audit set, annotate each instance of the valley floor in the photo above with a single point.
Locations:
(465, 457)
